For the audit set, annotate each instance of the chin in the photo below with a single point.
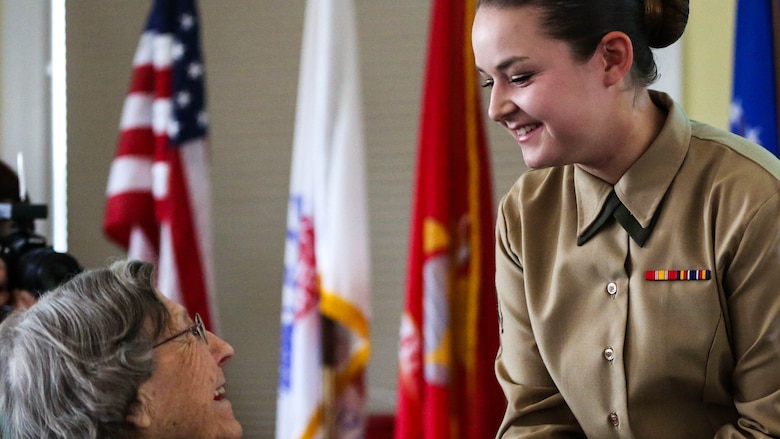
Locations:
(541, 161)
(535, 163)
(533, 159)
(233, 431)
(238, 432)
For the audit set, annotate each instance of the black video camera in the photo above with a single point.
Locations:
(31, 264)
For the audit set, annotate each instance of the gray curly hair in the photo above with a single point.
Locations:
(71, 366)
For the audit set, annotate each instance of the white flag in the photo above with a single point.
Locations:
(327, 272)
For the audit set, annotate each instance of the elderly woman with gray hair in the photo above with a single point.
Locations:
(105, 355)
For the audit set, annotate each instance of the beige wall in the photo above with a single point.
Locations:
(708, 53)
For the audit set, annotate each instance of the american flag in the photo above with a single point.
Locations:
(159, 194)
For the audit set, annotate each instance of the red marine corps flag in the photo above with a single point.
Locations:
(159, 196)
(449, 328)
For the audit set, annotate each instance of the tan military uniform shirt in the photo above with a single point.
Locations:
(590, 346)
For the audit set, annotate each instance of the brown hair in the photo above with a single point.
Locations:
(582, 24)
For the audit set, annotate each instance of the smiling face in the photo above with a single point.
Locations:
(185, 396)
(556, 107)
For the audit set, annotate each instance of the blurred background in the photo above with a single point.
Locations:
(64, 73)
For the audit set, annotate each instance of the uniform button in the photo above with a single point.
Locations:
(612, 288)
(613, 419)
(609, 354)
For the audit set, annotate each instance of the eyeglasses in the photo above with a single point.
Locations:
(197, 330)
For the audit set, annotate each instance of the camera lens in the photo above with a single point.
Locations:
(31, 264)
(42, 269)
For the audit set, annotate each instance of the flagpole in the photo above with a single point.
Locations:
(328, 377)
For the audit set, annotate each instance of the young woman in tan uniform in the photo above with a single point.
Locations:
(638, 262)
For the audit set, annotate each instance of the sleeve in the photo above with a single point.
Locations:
(535, 408)
(752, 288)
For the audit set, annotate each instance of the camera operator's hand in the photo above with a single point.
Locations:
(5, 295)
(6, 299)
(23, 299)
(18, 299)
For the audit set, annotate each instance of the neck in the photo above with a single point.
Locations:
(635, 127)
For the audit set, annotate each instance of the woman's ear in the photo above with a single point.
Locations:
(617, 55)
(140, 413)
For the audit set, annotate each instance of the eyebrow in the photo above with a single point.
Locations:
(505, 64)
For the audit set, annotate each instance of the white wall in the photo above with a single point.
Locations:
(24, 94)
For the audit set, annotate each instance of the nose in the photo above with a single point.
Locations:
(500, 105)
(221, 350)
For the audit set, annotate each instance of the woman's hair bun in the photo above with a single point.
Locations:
(665, 21)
